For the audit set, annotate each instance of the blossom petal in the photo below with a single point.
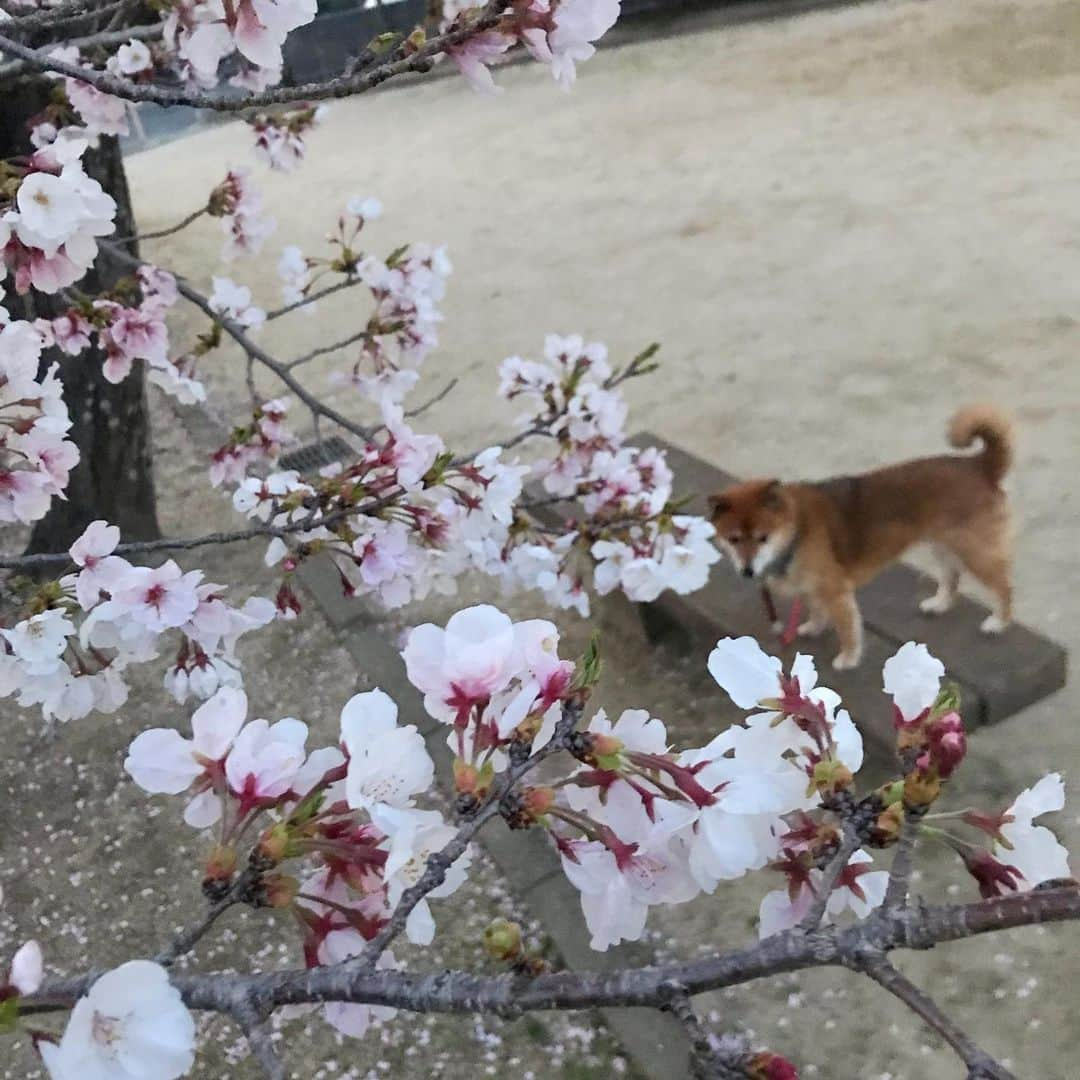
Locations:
(744, 671)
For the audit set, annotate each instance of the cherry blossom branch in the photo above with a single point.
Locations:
(66, 24)
(918, 928)
(142, 547)
(398, 63)
(517, 440)
(36, 17)
(236, 332)
(117, 36)
(708, 1062)
(184, 942)
(259, 1034)
(979, 1064)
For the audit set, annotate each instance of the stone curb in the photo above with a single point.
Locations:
(653, 1039)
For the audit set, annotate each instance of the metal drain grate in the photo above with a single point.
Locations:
(315, 456)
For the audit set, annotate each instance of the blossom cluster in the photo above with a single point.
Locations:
(50, 228)
(405, 518)
(35, 454)
(638, 824)
(344, 817)
(406, 287)
(638, 545)
(238, 205)
(202, 33)
(281, 138)
(69, 651)
(337, 835)
(397, 523)
(558, 33)
(260, 441)
(126, 325)
(233, 302)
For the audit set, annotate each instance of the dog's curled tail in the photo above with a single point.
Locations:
(994, 428)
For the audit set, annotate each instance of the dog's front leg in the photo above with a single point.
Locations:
(844, 612)
(818, 621)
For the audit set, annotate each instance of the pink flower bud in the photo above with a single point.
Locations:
(770, 1066)
(946, 743)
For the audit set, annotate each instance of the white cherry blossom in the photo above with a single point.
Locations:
(1034, 850)
(387, 764)
(131, 1025)
(913, 678)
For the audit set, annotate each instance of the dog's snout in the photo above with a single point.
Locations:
(748, 571)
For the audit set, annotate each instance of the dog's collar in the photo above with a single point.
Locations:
(782, 563)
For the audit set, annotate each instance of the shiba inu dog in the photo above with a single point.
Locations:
(821, 541)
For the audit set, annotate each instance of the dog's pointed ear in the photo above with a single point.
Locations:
(719, 503)
(773, 495)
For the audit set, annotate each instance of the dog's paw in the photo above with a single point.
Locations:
(993, 624)
(936, 604)
(810, 629)
(845, 661)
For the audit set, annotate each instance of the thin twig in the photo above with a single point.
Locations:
(136, 237)
(538, 504)
(184, 942)
(410, 413)
(124, 10)
(849, 842)
(322, 350)
(708, 1061)
(35, 16)
(896, 892)
(259, 1034)
(276, 313)
(979, 1063)
(249, 380)
(142, 547)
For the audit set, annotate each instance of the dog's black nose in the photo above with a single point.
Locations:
(748, 571)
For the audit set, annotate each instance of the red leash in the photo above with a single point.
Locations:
(791, 627)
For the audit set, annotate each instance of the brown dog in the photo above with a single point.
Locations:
(821, 541)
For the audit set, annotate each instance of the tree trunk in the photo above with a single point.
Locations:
(114, 479)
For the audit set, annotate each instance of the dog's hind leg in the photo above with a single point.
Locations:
(947, 573)
(991, 565)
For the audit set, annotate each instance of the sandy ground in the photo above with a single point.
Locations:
(840, 226)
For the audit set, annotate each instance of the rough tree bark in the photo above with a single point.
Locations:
(111, 424)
